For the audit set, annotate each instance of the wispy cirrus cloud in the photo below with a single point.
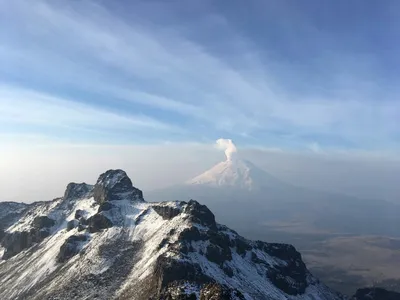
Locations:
(161, 76)
(30, 108)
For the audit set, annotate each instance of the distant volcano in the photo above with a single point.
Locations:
(236, 173)
(248, 198)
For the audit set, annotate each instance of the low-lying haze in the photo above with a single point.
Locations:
(42, 172)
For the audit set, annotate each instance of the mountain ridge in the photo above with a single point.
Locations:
(106, 242)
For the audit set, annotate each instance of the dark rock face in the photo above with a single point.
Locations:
(72, 224)
(200, 214)
(79, 214)
(218, 255)
(70, 247)
(115, 185)
(20, 240)
(169, 270)
(105, 206)
(166, 212)
(77, 190)
(291, 277)
(375, 294)
(98, 222)
(16, 242)
(281, 251)
(191, 234)
(43, 222)
(242, 246)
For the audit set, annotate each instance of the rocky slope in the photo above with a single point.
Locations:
(106, 242)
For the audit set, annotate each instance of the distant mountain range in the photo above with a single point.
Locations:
(106, 242)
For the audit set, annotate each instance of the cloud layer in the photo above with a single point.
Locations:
(95, 71)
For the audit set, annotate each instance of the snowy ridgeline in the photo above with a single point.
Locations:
(106, 242)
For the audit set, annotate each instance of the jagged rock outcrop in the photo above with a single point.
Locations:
(375, 294)
(115, 185)
(167, 212)
(200, 214)
(78, 190)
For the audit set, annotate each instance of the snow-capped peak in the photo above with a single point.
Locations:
(237, 173)
(112, 246)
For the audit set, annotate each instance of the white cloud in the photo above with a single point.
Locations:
(84, 46)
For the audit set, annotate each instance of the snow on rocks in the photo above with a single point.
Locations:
(130, 249)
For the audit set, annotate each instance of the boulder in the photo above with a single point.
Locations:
(72, 224)
(98, 222)
(70, 247)
(43, 222)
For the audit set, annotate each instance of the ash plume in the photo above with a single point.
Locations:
(228, 146)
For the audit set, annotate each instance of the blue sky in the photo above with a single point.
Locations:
(289, 74)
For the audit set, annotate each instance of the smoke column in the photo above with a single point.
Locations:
(228, 146)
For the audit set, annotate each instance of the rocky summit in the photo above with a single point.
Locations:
(106, 242)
